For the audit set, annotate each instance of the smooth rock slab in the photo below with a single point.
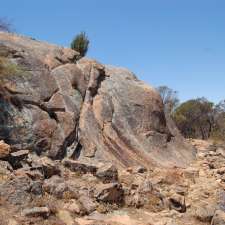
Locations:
(36, 211)
(80, 167)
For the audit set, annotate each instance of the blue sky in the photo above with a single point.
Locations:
(178, 43)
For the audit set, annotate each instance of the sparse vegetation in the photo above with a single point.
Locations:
(218, 133)
(195, 118)
(169, 97)
(80, 44)
(8, 68)
(7, 71)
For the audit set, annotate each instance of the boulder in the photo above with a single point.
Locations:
(218, 218)
(204, 212)
(40, 123)
(109, 193)
(17, 190)
(79, 166)
(47, 166)
(142, 194)
(4, 150)
(36, 188)
(59, 188)
(191, 173)
(88, 204)
(107, 173)
(18, 158)
(36, 211)
(30, 172)
(19, 154)
(55, 186)
(84, 110)
(75, 207)
(122, 121)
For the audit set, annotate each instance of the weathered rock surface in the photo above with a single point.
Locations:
(84, 109)
(219, 218)
(79, 166)
(111, 193)
(107, 173)
(16, 191)
(4, 149)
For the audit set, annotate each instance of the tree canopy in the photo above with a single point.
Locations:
(195, 118)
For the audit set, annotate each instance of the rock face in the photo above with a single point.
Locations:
(83, 109)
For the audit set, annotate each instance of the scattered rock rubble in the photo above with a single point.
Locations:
(39, 190)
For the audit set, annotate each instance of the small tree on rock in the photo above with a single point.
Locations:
(80, 44)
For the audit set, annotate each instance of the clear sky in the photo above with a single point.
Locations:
(178, 43)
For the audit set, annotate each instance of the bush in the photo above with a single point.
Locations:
(9, 69)
(195, 118)
(218, 133)
(80, 44)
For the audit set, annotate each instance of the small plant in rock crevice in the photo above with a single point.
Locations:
(80, 44)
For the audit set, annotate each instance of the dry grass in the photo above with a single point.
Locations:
(8, 68)
(47, 201)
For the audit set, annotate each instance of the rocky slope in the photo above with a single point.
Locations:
(84, 110)
(68, 192)
(88, 144)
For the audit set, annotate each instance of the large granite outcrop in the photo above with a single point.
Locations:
(83, 109)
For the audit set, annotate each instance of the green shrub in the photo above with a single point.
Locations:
(195, 118)
(8, 70)
(80, 44)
